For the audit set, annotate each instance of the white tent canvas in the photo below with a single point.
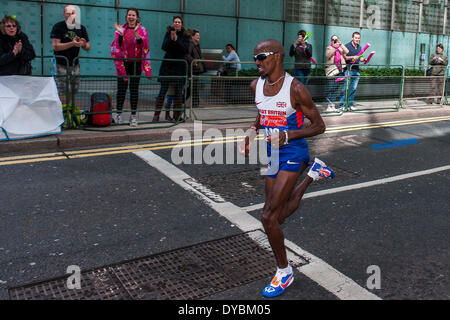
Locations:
(29, 107)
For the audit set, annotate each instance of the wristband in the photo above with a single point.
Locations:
(286, 141)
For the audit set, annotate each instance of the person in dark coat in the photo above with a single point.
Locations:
(16, 51)
(176, 45)
(197, 67)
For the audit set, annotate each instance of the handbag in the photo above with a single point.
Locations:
(198, 67)
(331, 70)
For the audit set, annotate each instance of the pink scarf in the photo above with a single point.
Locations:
(121, 53)
(337, 56)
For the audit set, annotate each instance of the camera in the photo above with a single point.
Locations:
(171, 28)
(335, 40)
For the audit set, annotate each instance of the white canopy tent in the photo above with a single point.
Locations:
(29, 107)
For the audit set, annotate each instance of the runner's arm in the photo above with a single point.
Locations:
(301, 101)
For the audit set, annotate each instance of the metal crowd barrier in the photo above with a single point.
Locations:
(220, 94)
(421, 91)
(45, 66)
(325, 91)
(217, 97)
(228, 98)
(149, 88)
(379, 88)
(447, 86)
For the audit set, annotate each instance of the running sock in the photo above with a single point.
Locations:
(286, 270)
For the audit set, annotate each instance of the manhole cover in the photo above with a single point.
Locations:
(187, 273)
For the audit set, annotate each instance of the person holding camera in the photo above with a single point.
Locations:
(176, 45)
(336, 54)
(130, 42)
(67, 38)
(438, 61)
(302, 51)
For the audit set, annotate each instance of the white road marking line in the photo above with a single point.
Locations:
(360, 185)
(317, 269)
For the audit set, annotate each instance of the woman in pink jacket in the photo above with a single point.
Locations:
(130, 42)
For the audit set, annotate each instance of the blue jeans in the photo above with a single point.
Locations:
(302, 75)
(350, 86)
(169, 101)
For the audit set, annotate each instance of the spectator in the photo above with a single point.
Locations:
(352, 72)
(438, 61)
(169, 99)
(231, 68)
(197, 68)
(130, 42)
(67, 39)
(176, 45)
(335, 67)
(16, 51)
(303, 53)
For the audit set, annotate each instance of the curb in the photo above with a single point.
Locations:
(82, 138)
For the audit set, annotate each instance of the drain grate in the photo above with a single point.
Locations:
(235, 185)
(247, 184)
(187, 273)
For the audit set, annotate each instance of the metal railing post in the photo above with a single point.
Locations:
(402, 88)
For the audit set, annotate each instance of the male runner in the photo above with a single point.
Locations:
(283, 102)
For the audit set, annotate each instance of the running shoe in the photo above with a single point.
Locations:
(319, 170)
(278, 284)
(331, 108)
(133, 121)
(117, 118)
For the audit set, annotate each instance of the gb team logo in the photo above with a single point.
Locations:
(281, 104)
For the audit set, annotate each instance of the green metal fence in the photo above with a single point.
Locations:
(218, 98)
(324, 90)
(45, 66)
(421, 91)
(221, 94)
(379, 88)
(229, 98)
(447, 87)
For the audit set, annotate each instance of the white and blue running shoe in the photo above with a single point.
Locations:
(319, 170)
(278, 284)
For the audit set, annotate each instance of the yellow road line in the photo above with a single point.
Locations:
(6, 163)
(76, 154)
(43, 155)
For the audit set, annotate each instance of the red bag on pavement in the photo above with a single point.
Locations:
(100, 102)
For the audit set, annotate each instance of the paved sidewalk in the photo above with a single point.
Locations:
(78, 138)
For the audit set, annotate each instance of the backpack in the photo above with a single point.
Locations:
(100, 102)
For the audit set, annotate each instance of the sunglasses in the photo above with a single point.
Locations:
(10, 26)
(264, 55)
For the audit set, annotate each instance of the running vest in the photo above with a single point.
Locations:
(277, 114)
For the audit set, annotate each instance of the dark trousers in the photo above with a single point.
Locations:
(177, 85)
(132, 68)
